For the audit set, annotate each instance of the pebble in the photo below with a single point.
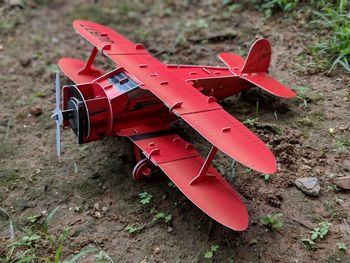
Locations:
(36, 110)
(157, 250)
(169, 229)
(308, 185)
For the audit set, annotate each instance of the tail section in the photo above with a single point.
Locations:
(259, 57)
(255, 68)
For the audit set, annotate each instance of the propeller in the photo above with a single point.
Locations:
(57, 115)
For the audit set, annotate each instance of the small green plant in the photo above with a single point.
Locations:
(302, 94)
(266, 177)
(308, 243)
(145, 198)
(162, 216)
(273, 221)
(253, 242)
(211, 251)
(338, 200)
(158, 217)
(251, 123)
(171, 184)
(321, 231)
(342, 246)
(131, 229)
(333, 187)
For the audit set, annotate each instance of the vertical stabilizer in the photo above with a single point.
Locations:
(259, 57)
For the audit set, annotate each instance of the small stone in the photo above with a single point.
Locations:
(96, 214)
(36, 110)
(104, 209)
(15, 3)
(169, 229)
(96, 207)
(308, 185)
(157, 250)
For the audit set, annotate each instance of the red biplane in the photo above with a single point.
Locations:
(140, 99)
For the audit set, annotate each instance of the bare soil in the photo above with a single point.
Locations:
(97, 177)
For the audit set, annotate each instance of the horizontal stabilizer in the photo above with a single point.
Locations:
(270, 85)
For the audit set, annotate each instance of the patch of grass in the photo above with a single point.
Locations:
(9, 23)
(33, 96)
(211, 251)
(336, 46)
(33, 246)
(270, 7)
(272, 221)
(342, 143)
(302, 94)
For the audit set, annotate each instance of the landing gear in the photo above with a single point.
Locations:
(143, 169)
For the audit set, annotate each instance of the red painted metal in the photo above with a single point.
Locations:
(142, 96)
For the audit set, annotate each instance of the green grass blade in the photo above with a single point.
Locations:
(63, 238)
(81, 254)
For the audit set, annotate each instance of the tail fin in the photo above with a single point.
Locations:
(255, 68)
(259, 57)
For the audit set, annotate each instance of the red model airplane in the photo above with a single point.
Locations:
(142, 96)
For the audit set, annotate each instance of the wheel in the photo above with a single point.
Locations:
(142, 169)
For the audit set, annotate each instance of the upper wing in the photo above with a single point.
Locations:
(182, 164)
(201, 112)
(198, 110)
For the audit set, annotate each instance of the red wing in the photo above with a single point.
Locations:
(72, 66)
(182, 164)
(192, 73)
(106, 39)
(202, 113)
(233, 138)
(182, 99)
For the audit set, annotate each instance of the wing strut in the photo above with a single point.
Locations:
(203, 176)
(87, 70)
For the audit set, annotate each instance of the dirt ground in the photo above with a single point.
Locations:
(97, 177)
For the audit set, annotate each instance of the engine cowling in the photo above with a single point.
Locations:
(86, 110)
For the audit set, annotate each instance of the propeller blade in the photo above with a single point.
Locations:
(57, 116)
(58, 90)
(58, 139)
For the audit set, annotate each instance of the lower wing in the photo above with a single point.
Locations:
(182, 163)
